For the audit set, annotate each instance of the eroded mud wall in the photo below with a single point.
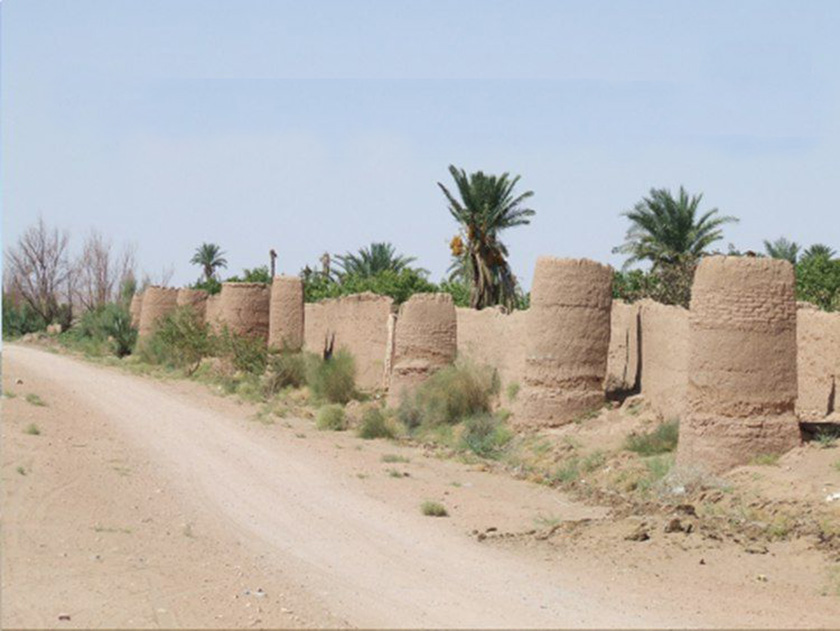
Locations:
(818, 362)
(135, 309)
(742, 381)
(425, 340)
(494, 338)
(664, 358)
(286, 313)
(195, 299)
(623, 356)
(243, 308)
(567, 341)
(360, 325)
(211, 312)
(157, 303)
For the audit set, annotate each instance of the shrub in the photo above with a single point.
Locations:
(375, 425)
(181, 340)
(661, 440)
(247, 353)
(32, 430)
(19, 320)
(818, 281)
(433, 509)
(331, 417)
(284, 370)
(333, 379)
(103, 330)
(450, 395)
(35, 400)
(485, 435)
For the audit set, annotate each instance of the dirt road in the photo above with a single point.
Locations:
(157, 504)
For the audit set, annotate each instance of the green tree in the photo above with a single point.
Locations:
(210, 257)
(819, 249)
(486, 207)
(818, 281)
(781, 248)
(668, 230)
(258, 274)
(373, 259)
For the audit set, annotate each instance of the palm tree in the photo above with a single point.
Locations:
(209, 257)
(371, 260)
(668, 231)
(487, 206)
(819, 250)
(781, 248)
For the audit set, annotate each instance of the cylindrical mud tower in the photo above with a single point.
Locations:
(742, 363)
(196, 299)
(424, 341)
(567, 342)
(135, 309)
(286, 313)
(157, 303)
(243, 308)
(211, 312)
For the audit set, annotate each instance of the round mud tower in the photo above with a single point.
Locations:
(196, 299)
(742, 363)
(157, 303)
(135, 309)
(243, 308)
(286, 313)
(424, 341)
(567, 341)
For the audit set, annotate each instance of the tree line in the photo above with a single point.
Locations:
(667, 235)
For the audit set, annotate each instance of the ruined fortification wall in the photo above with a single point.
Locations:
(425, 340)
(135, 309)
(157, 303)
(567, 341)
(818, 362)
(360, 325)
(742, 382)
(623, 355)
(664, 357)
(196, 299)
(286, 314)
(494, 338)
(211, 312)
(243, 308)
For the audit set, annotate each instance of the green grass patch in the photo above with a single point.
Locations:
(433, 509)
(512, 391)
(485, 435)
(32, 430)
(766, 460)
(661, 440)
(827, 438)
(393, 458)
(375, 425)
(331, 417)
(21, 470)
(34, 399)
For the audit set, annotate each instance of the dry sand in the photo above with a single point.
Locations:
(157, 504)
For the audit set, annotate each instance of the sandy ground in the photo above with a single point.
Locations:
(147, 503)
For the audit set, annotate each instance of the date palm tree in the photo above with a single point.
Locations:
(819, 250)
(373, 259)
(781, 248)
(210, 257)
(668, 230)
(486, 207)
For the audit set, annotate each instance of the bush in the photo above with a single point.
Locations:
(661, 440)
(181, 340)
(331, 417)
(433, 509)
(247, 353)
(375, 425)
(450, 395)
(104, 330)
(485, 435)
(333, 379)
(818, 281)
(284, 370)
(19, 320)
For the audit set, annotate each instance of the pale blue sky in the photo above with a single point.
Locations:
(322, 126)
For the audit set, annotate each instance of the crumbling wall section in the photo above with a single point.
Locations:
(623, 355)
(494, 338)
(663, 368)
(818, 362)
(360, 325)
(286, 313)
(195, 299)
(243, 308)
(157, 303)
(135, 309)
(425, 340)
(567, 341)
(742, 381)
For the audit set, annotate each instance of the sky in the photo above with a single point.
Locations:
(325, 125)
